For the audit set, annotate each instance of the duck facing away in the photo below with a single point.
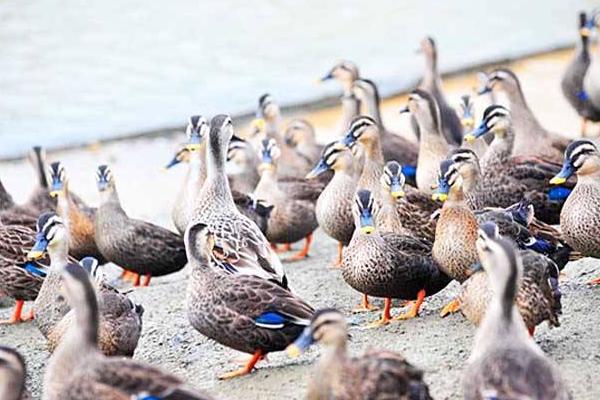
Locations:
(377, 374)
(241, 311)
(135, 245)
(292, 219)
(580, 215)
(120, 320)
(12, 375)
(77, 370)
(505, 361)
(334, 205)
(389, 265)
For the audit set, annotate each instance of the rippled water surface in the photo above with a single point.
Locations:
(76, 71)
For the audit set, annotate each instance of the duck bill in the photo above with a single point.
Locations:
(258, 124)
(564, 174)
(367, 226)
(467, 122)
(172, 163)
(102, 185)
(194, 143)
(320, 168)
(56, 188)
(39, 248)
(477, 133)
(484, 89)
(302, 343)
(585, 32)
(396, 190)
(441, 192)
(348, 140)
(404, 110)
(326, 78)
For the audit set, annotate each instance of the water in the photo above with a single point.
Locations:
(77, 71)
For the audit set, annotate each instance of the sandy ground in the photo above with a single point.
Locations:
(438, 346)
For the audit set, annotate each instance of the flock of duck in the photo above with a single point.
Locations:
(500, 207)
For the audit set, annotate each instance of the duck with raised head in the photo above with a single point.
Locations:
(433, 145)
(20, 278)
(467, 119)
(120, 319)
(432, 83)
(580, 215)
(395, 147)
(572, 83)
(79, 220)
(137, 246)
(531, 138)
(242, 166)
(300, 136)
(236, 234)
(237, 309)
(389, 265)
(377, 374)
(334, 205)
(505, 361)
(77, 370)
(12, 375)
(345, 72)
(292, 219)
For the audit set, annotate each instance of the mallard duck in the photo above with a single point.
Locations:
(536, 299)
(241, 239)
(394, 147)
(531, 138)
(12, 375)
(374, 375)
(334, 205)
(433, 146)
(432, 83)
(292, 219)
(300, 135)
(467, 119)
(236, 309)
(505, 361)
(345, 72)
(572, 79)
(580, 215)
(135, 245)
(120, 319)
(77, 370)
(80, 221)
(408, 209)
(20, 278)
(389, 265)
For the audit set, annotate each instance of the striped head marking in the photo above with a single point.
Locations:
(267, 107)
(365, 210)
(448, 176)
(423, 106)
(327, 326)
(467, 112)
(197, 129)
(58, 178)
(269, 151)
(393, 179)
(581, 158)
(329, 159)
(502, 78)
(50, 230)
(358, 126)
(104, 178)
(182, 156)
(463, 157)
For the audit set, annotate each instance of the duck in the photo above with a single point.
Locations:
(531, 138)
(239, 310)
(537, 299)
(334, 205)
(580, 214)
(236, 233)
(242, 166)
(467, 119)
(431, 83)
(505, 361)
(120, 319)
(193, 154)
(80, 221)
(12, 375)
(345, 72)
(433, 146)
(389, 265)
(299, 134)
(292, 219)
(572, 82)
(395, 147)
(339, 376)
(137, 246)
(20, 278)
(77, 370)
(409, 211)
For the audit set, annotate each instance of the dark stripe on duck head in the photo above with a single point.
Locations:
(364, 200)
(505, 75)
(46, 222)
(461, 155)
(359, 123)
(578, 149)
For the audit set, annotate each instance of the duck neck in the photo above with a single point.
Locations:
(6, 200)
(584, 47)
(372, 102)
(197, 168)
(59, 253)
(373, 151)
(329, 364)
(267, 185)
(216, 178)
(350, 109)
(272, 125)
(431, 76)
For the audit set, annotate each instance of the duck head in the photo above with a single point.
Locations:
(335, 156)
(496, 119)
(327, 326)
(267, 110)
(270, 154)
(362, 129)
(58, 179)
(500, 80)
(365, 211)
(364, 89)
(196, 131)
(182, 156)
(51, 236)
(467, 112)
(424, 108)
(299, 132)
(345, 72)
(581, 158)
(393, 179)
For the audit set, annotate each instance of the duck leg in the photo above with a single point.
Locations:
(136, 279)
(146, 280)
(386, 316)
(414, 311)
(531, 331)
(17, 315)
(450, 308)
(302, 254)
(245, 369)
(337, 263)
(594, 281)
(364, 305)
(286, 247)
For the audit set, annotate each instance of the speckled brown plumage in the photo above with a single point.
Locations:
(580, 218)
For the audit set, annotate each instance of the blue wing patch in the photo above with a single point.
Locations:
(559, 193)
(35, 270)
(409, 171)
(271, 320)
(582, 95)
